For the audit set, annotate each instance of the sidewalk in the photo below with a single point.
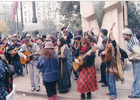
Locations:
(23, 87)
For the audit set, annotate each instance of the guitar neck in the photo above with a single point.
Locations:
(30, 54)
(83, 57)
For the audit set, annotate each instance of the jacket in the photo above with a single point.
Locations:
(49, 68)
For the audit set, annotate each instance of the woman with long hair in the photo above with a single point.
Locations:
(48, 64)
(62, 50)
(87, 81)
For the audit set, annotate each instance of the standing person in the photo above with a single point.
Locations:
(16, 37)
(133, 47)
(48, 63)
(87, 81)
(62, 50)
(15, 59)
(28, 46)
(113, 62)
(101, 48)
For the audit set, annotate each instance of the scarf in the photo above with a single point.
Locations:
(83, 49)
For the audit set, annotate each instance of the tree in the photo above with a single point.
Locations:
(50, 27)
(4, 29)
(71, 11)
(133, 17)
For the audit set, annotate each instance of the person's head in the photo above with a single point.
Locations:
(38, 36)
(127, 33)
(84, 42)
(39, 40)
(61, 41)
(53, 39)
(14, 40)
(44, 37)
(104, 32)
(28, 42)
(63, 29)
(48, 51)
(28, 35)
(15, 36)
(10, 37)
(79, 32)
(77, 38)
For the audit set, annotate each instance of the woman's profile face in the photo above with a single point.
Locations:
(58, 42)
(83, 44)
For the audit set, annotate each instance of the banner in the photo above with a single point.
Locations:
(14, 9)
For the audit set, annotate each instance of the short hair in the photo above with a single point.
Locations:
(26, 40)
(104, 31)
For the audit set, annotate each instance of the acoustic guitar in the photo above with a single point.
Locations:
(3, 48)
(28, 54)
(14, 51)
(78, 67)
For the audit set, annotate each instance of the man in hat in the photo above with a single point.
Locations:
(133, 48)
(101, 48)
(27, 36)
(15, 59)
(16, 36)
(33, 72)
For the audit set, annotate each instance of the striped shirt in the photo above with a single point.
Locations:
(131, 42)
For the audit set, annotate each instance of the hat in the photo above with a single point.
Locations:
(77, 37)
(104, 31)
(9, 36)
(49, 45)
(127, 31)
(43, 36)
(28, 34)
(15, 35)
(63, 28)
(14, 39)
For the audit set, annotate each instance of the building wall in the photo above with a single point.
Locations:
(113, 12)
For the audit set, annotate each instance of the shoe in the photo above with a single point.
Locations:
(132, 96)
(32, 88)
(21, 75)
(103, 85)
(83, 96)
(89, 95)
(107, 93)
(38, 88)
(100, 81)
(112, 98)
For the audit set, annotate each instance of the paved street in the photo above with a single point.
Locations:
(23, 91)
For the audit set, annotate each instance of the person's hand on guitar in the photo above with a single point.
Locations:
(60, 56)
(77, 61)
(25, 57)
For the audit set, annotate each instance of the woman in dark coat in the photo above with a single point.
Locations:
(62, 50)
(87, 81)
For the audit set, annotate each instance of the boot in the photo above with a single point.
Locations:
(82, 96)
(50, 98)
(89, 95)
(55, 97)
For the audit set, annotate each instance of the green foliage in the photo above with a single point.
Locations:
(50, 27)
(133, 17)
(71, 11)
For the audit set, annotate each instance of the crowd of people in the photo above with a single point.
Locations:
(57, 56)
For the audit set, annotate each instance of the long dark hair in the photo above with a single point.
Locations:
(48, 53)
(86, 41)
(62, 40)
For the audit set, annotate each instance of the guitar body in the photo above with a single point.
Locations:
(78, 67)
(24, 61)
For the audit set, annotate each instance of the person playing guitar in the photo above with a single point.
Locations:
(15, 59)
(87, 81)
(33, 48)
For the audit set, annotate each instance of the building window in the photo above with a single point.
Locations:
(138, 4)
(25, 13)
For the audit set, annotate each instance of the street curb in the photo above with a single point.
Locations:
(43, 95)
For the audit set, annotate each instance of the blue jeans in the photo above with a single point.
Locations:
(111, 82)
(136, 73)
